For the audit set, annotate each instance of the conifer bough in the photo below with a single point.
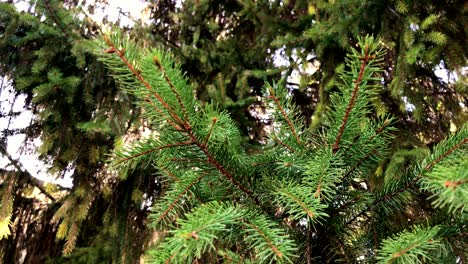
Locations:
(221, 205)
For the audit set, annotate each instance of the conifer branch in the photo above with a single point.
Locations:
(189, 160)
(56, 20)
(172, 123)
(137, 74)
(178, 144)
(168, 260)
(177, 199)
(169, 173)
(31, 179)
(173, 89)
(410, 183)
(360, 162)
(345, 205)
(277, 140)
(378, 131)
(300, 203)
(283, 112)
(265, 163)
(441, 157)
(223, 171)
(342, 251)
(402, 252)
(266, 238)
(210, 131)
(365, 60)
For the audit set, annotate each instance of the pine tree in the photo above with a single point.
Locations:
(305, 194)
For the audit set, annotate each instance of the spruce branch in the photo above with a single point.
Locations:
(429, 166)
(173, 89)
(359, 164)
(146, 152)
(173, 199)
(412, 246)
(214, 120)
(183, 123)
(121, 54)
(280, 142)
(380, 130)
(432, 161)
(365, 60)
(283, 112)
(269, 241)
(54, 17)
(299, 202)
(224, 172)
(31, 179)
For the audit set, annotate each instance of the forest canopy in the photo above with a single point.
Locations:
(203, 131)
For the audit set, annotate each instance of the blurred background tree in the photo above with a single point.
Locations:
(228, 49)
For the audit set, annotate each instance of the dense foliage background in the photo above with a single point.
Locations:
(228, 50)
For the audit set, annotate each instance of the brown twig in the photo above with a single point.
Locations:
(285, 116)
(52, 14)
(411, 183)
(137, 74)
(441, 157)
(172, 86)
(352, 101)
(178, 144)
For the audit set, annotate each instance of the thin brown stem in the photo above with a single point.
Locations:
(172, 86)
(137, 74)
(181, 194)
(56, 20)
(309, 245)
(178, 144)
(410, 183)
(441, 157)
(352, 101)
(285, 116)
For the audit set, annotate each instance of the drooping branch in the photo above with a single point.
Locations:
(37, 183)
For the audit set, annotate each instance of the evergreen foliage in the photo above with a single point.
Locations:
(258, 121)
(217, 198)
